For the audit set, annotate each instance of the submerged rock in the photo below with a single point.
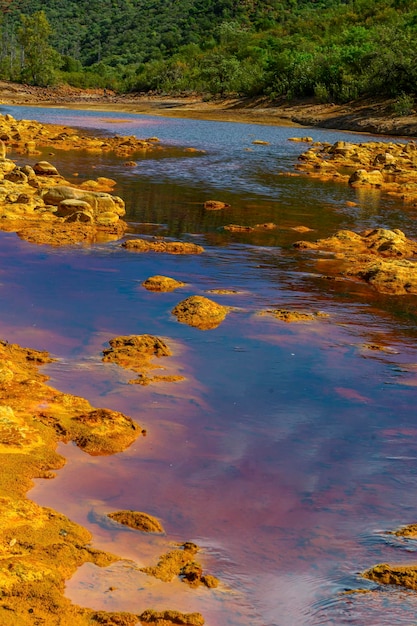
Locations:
(301, 139)
(200, 312)
(238, 228)
(286, 315)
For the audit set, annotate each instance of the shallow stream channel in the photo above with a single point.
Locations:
(290, 449)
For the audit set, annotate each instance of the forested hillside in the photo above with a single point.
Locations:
(336, 50)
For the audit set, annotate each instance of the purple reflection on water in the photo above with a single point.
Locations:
(287, 453)
(281, 455)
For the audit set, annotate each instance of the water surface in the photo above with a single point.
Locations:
(290, 448)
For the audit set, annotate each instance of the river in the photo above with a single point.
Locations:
(290, 449)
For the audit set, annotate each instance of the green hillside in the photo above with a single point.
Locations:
(337, 50)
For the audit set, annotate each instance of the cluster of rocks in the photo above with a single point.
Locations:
(389, 166)
(42, 207)
(386, 259)
(39, 547)
(26, 136)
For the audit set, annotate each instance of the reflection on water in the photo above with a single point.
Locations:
(290, 448)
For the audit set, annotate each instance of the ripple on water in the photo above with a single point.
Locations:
(368, 607)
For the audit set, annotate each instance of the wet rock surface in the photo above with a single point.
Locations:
(238, 228)
(215, 205)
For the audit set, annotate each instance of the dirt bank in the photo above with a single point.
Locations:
(373, 116)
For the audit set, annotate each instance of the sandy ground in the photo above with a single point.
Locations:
(362, 116)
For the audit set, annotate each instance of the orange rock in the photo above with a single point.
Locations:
(215, 205)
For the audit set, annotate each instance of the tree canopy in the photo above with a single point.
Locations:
(335, 50)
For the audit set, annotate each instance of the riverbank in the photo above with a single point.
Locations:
(373, 116)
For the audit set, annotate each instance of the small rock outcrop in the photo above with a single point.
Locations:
(168, 618)
(215, 205)
(385, 574)
(137, 520)
(200, 312)
(162, 246)
(135, 353)
(287, 315)
(162, 283)
(181, 563)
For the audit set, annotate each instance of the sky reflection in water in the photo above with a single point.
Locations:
(290, 449)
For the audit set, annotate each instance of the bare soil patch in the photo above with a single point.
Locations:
(365, 115)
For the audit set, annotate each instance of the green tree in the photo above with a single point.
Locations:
(39, 59)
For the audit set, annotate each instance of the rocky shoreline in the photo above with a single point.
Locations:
(40, 548)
